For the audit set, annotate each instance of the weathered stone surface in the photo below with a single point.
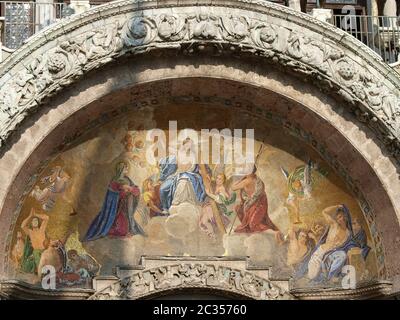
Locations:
(334, 67)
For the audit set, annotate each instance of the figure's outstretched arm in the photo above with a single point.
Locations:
(240, 184)
(213, 196)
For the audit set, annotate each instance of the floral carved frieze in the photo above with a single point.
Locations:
(192, 275)
(328, 65)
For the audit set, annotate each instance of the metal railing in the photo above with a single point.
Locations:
(23, 19)
(380, 33)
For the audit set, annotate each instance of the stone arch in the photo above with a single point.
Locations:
(56, 79)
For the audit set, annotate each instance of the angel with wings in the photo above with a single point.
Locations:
(215, 212)
(57, 183)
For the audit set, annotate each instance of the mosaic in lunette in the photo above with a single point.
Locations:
(101, 204)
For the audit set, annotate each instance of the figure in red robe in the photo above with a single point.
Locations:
(253, 208)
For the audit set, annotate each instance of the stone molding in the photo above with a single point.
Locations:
(337, 63)
(374, 290)
(13, 289)
(158, 275)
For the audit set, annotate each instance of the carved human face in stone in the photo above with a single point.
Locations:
(56, 63)
(346, 70)
(359, 91)
(267, 35)
(203, 17)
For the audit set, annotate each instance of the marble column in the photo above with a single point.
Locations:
(390, 11)
(44, 14)
(390, 8)
(374, 8)
(373, 23)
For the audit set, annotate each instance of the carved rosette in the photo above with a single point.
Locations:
(318, 59)
(192, 275)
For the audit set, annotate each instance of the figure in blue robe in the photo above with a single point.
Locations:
(169, 178)
(333, 261)
(360, 237)
(116, 215)
(301, 268)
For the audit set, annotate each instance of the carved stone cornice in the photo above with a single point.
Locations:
(374, 290)
(15, 289)
(18, 290)
(335, 62)
(158, 275)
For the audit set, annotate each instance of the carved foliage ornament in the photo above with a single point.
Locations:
(192, 275)
(321, 60)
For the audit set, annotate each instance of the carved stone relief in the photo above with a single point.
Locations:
(193, 274)
(329, 65)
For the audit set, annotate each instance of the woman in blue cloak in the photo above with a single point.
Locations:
(116, 215)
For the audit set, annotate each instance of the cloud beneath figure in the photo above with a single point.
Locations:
(184, 219)
(127, 251)
(280, 217)
(261, 248)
